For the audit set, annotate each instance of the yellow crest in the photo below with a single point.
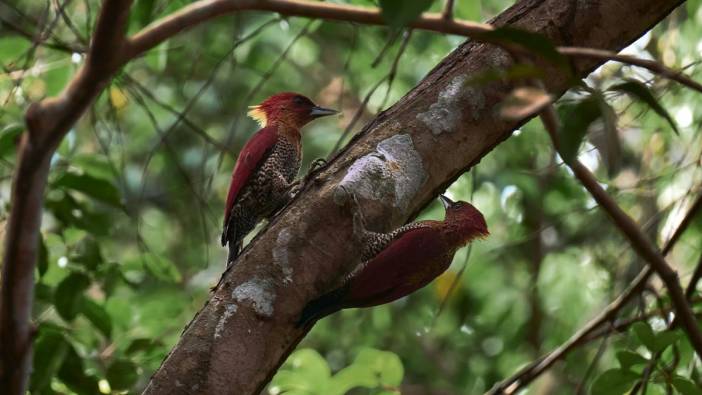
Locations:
(257, 113)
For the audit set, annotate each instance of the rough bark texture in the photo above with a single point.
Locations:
(395, 166)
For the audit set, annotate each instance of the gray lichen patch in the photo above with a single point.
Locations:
(229, 311)
(393, 173)
(457, 97)
(280, 255)
(259, 292)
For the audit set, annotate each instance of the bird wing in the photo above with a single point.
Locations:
(409, 262)
(251, 156)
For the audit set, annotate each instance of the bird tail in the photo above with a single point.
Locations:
(321, 307)
(234, 251)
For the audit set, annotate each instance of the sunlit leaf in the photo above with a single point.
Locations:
(613, 382)
(645, 335)
(68, 297)
(398, 13)
(640, 91)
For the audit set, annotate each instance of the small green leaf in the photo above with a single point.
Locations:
(627, 359)
(606, 140)
(399, 13)
(56, 78)
(97, 188)
(665, 339)
(577, 119)
(685, 386)
(87, 252)
(73, 374)
(97, 315)
(613, 382)
(386, 365)
(68, 297)
(638, 90)
(534, 42)
(43, 257)
(122, 374)
(161, 268)
(9, 136)
(49, 351)
(12, 48)
(645, 335)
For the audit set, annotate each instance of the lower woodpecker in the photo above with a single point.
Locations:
(398, 263)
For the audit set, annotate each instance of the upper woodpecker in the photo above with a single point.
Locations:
(263, 176)
(398, 263)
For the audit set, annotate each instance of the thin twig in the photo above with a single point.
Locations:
(447, 14)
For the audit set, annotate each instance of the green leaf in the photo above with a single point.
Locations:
(13, 47)
(50, 349)
(68, 297)
(640, 91)
(97, 188)
(685, 386)
(665, 339)
(142, 345)
(577, 119)
(399, 13)
(56, 78)
(87, 252)
(613, 382)
(162, 268)
(122, 374)
(645, 335)
(386, 365)
(606, 140)
(43, 257)
(8, 139)
(627, 359)
(534, 42)
(97, 315)
(73, 375)
(143, 12)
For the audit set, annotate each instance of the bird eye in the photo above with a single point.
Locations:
(301, 100)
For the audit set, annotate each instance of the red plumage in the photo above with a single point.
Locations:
(250, 158)
(409, 258)
(264, 174)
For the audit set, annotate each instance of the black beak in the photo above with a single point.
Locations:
(318, 112)
(446, 201)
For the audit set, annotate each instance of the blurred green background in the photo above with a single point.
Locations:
(130, 232)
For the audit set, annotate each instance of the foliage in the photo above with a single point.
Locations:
(129, 235)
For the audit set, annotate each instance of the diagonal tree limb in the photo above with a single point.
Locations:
(47, 124)
(442, 127)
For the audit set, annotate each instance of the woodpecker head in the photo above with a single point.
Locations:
(288, 107)
(464, 220)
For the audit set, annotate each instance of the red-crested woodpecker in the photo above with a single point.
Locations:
(265, 170)
(398, 263)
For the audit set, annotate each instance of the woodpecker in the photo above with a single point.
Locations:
(263, 177)
(398, 263)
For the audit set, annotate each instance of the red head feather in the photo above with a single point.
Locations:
(287, 107)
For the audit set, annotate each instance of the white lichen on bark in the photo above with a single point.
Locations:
(229, 311)
(280, 255)
(449, 110)
(259, 293)
(393, 173)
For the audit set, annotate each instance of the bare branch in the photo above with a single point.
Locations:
(448, 10)
(651, 65)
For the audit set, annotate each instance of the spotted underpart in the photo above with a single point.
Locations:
(268, 190)
(373, 243)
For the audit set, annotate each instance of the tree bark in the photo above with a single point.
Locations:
(395, 166)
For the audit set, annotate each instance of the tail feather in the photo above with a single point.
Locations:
(234, 250)
(321, 307)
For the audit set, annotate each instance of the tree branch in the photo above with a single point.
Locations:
(638, 240)
(47, 123)
(246, 330)
(590, 331)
